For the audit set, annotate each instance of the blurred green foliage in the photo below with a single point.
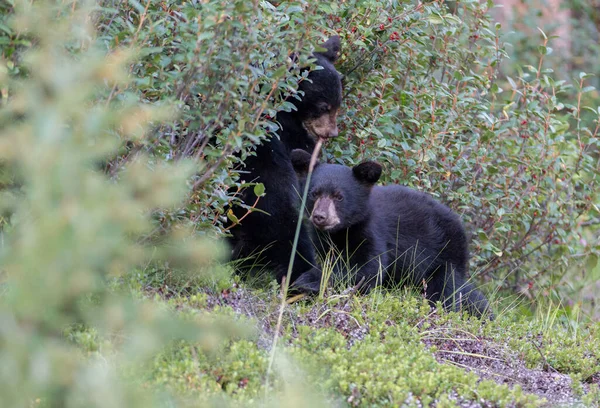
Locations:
(72, 227)
(567, 33)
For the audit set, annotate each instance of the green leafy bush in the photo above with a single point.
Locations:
(226, 65)
(424, 95)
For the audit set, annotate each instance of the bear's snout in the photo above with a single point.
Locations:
(319, 218)
(324, 214)
(333, 131)
(323, 127)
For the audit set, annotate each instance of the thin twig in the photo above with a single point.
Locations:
(142, 19)
(353, 290)
(248, 212)
(594, 221)
(207, 175)
(296, 298)
(547, 366)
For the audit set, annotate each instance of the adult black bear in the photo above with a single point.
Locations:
(264, 239)
(387, 234)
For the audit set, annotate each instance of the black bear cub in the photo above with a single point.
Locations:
(387, 235)
(263, 239)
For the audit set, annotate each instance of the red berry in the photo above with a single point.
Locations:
(382, 26)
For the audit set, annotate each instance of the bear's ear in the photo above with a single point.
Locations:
(333, 48)
(367, 172)
(300, 160)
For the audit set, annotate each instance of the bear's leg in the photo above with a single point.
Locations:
(256, 251)
(372, 274)
(250, 258)
(279, 254)
(474, 302)
(309, 282)
(449, 287)
(254, 254)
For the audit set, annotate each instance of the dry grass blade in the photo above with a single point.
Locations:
(296, 298)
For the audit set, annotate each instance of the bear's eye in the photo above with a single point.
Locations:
(324, 108)
(338, 197)
(312, 195)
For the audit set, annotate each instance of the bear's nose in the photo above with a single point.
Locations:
(319, 218)
(333, 132)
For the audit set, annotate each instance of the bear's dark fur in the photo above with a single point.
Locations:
(387, 235)
(264, 239)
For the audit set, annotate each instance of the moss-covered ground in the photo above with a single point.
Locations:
(386, 349)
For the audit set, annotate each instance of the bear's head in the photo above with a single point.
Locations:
(338, 196)
(322, 94)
